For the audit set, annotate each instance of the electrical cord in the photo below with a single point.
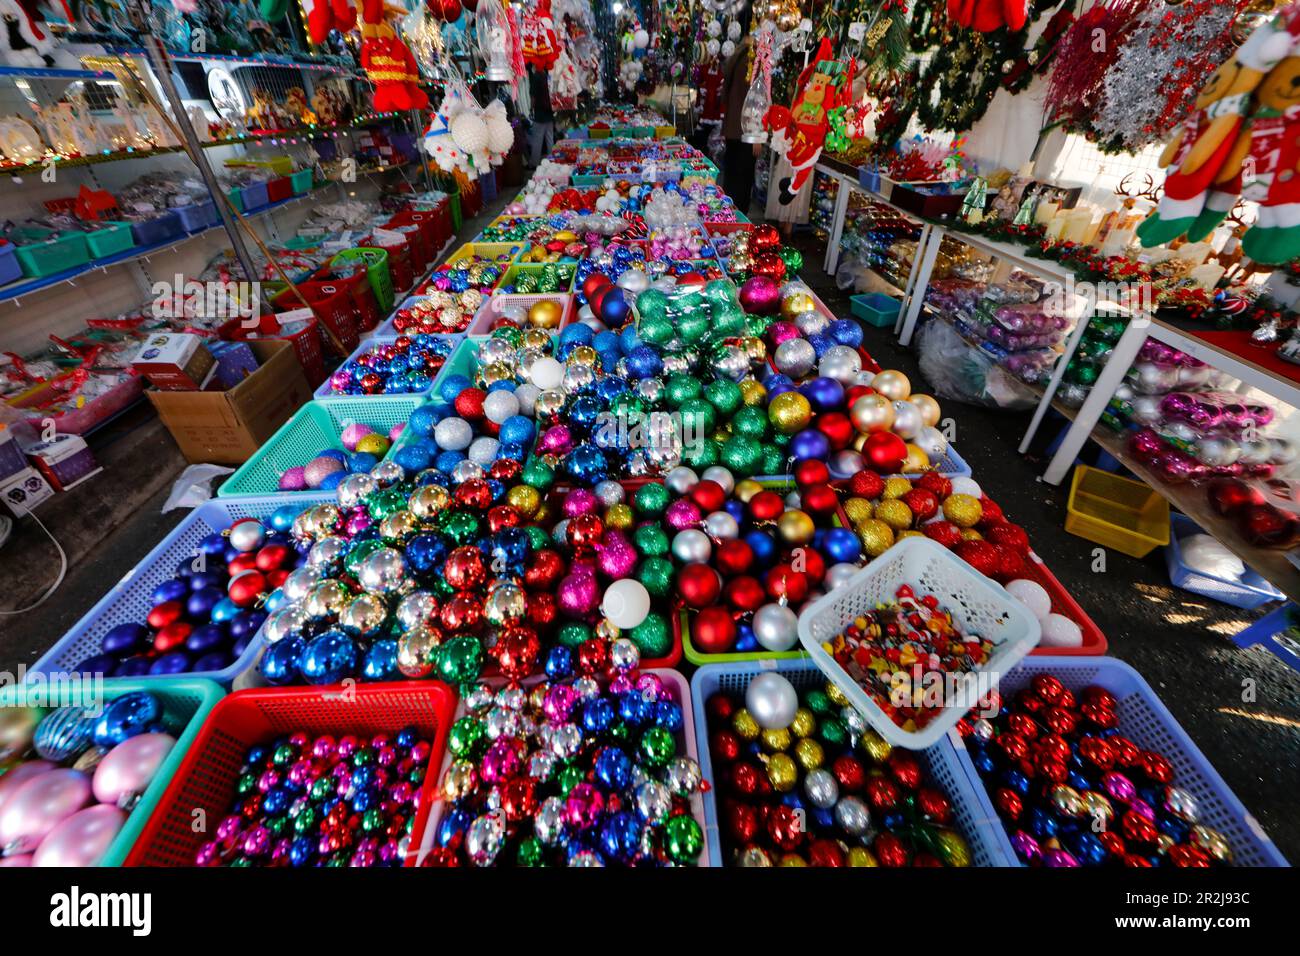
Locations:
(63, 570)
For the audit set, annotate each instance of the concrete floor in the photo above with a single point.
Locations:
(1241, 707)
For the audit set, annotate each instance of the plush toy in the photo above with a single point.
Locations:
(326, 15)
(388, 61)
(537, 34)
(799, 132)
(564, 84)
(295, 103)
(988, 15)
(1266, 161)
(25, 40)
(1196, 198)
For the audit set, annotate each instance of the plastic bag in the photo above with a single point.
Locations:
(956, 370)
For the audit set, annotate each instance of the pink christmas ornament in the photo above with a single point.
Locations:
(578, 595)
(760, 295)
(24, 771)
(295, 479)
(579, 501)
(82, 839)
(682, 514)
(38, 806)
(353, 434)
(127, 770)
(318, 469)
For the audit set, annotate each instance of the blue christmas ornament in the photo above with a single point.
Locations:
(422, 420)
(517, 430)
(613, 768)
(64, 734)
(598, 715)
(176, 662)
(280, 661)
(559, 662)
(224, 610)
(586, 465)
(127, 716)
(620, 837)
(380, 661)
(136, 666)
(125, 639)
(329, 658)
(842, 546)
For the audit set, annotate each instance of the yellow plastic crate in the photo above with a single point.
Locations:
(1116, 512)
(665, 132)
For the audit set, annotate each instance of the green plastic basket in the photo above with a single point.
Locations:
(300, 182)
(315, 427)
(699, 657)
(44, 254)
(113, 238)
(236, 196)
(186, 702)
(381, 280)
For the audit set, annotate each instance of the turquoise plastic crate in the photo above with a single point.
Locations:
(52, 254)
(312, 429)
(131, 598)
(972, 817)
(110, 239)
(876, 309)
(186, 702)
(301, 182)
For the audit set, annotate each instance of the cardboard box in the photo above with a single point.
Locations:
(235, 361)
(65, 461)
(919, 199)
(225, 428)
(24, 491)
(175, 361)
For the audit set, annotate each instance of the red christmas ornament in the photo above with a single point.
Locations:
(746, 779)
(826, 853)
(934, 805)
(720, 708)
(272, 557)
(923, 504)
(1229, 494)
(849, 773)
(980, 555)
(990, 511)
(889, 850)
(744, 594)
(742, 821)
(542, 609)
(469, 404)
(594, 282)
(163, 614)
(517, 651)
(811, 471)
(820, 500)
(241, 563)
(766, 506)
(475, 494)
(905, 769)
(464, 569)
(733, 556)
(171, 637)
(786, 827)
(724, 745)
(594, 656)
(246, 589)
(881, 793)
(867, 484)
(769, 264)
(463, 614)
(945, 532)
(713, 631)
(698, 585)
(584, 532)
(764, 238)
(545, 571)
(936, 483)
(783, 581)
(1009, 535)
(838, 429)
(885, 452)
(708, 495)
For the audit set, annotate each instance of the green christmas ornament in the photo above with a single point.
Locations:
(742, 454)
(680, 389)
(651, 304)
(530, 852)
(466, 736)
(655, 329)
(701, 453)
(793, 260)
(650, 541)
(509, 333)
(728, 320)
(461, 526)
(652, 499)
(832, 732)
(756, 325)
(693, 326)
(538, 474)
(460, 659)
(537, 538)
(385, 502)
(719, 292)
(819, 702)
(573, 634)
(569, 778)
(656, 575)
(683, 839)
(652, 636)
(750, 421)
(724, 395)
(658, 746)
(698, 417)
(775, 460)
(359, 552)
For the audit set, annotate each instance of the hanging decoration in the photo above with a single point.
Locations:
(1195, 201)
(989, 15)
(466, 137)
(388, 61)
(758, 100)
(325, 15)
(494, 33)
(799, 133)
(565, 86)
(541, 45)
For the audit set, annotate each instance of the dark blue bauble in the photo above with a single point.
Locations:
(380, 661)
(172, 589)
(207, 579)
(362, 777)
(280, 662)
(820, 342)
(225, 611)
(199, 605)
(510, 548)
(276, 801)
(644, 362)
(984, 762)
(245, 624)
(823, 393)
(824, 818)
(213, 544)
(455, 822)
(810, 443)
(634, 709)
(559, 662)
(764, 547)
(206, 638)
(362, 461)
(736, 509)
(583, 414)
(302, 851)
(215, 661)
(135, 666)
(447, 460)
(1041, 823)
(845, 332)
(610, 387)
(586, 465)
(793, 799)
(613, 768)
(363, 800)
(668, 715)
(893, 821)
(329, 658)
(127, 716)
(424, 552)
(177, 662)
(337, 454)
(745, 639)
(620, 837)
(414, 457)
(842, 545)
(598, 715)
(125, 639)
(1077, 780)
(1086, 848)
(1017, 781)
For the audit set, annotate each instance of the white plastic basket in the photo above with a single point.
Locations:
(977, 604)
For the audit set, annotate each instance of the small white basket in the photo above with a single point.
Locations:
(977, 604)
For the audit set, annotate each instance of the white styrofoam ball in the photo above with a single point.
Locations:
(453, 434)
(1032, 595)
(1204, 554)
(1060, 631)
(962, 485)
(547, 373)
(469, 131)
(641, 39)
(499, 405)
(728, 48)
(733, 30)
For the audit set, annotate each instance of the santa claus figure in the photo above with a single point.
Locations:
(799, 132)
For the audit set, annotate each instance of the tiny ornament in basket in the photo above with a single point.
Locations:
(916, 639)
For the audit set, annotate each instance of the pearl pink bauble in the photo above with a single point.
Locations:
(82, 839)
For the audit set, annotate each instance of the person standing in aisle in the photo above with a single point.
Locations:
(541, 134)
(738, 160)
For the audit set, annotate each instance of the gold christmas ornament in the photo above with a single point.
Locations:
(871, 413)
(877, 537)
(795, 527)
(963, 510)
(744, 725)
(619, 517)
(752, 392)
(895, 514)
(858, 509)
(892, 384)
(809, 753)
(746, 489)
(775, 739)
(861, 856)
(789, 412)
(804, 723)
(929, 408)
(782, 772)
(896, 487)
(796, 304)
(916, 461)
(544, 314)
(524, 499)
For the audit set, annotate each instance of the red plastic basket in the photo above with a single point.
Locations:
(279, 189)
(417, 243)
(306, 343)
(332, 303)
(432, 228)
(206, 779)
(399, 264)
(363, 296)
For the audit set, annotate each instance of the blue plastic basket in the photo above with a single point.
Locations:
(254, 197)
(386, 329)
(10, 270)
(198, 216)
(951, 465)
(1250, 592)
(159, 229)
(130, 598)
(1270, 632)
(1148, 723)
(974, 818)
